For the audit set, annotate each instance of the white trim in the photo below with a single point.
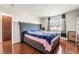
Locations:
(0, 28)
(15, 41)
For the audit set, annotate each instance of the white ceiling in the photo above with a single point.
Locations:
(45, 10)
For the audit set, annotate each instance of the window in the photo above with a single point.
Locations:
(56, 23)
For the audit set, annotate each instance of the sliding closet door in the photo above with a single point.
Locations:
(6, 28)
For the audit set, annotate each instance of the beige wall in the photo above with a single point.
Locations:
(0, 28)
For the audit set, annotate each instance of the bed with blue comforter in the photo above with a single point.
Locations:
(46, 36)
(34, 30)
(49, 36)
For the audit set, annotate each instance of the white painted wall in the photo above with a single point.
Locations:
(0, 28)
(44, 22)
(16, 17)
(15, 26)
(15, 32)
(71, 20)
(26, 19)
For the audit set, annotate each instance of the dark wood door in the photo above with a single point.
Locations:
(6, 28)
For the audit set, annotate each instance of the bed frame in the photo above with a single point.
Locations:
(33, 43)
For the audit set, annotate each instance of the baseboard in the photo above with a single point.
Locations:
(0, 41)
(15, 42)
(77, 43)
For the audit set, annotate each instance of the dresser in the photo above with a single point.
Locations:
(72, 35)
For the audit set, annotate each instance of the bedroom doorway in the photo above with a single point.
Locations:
(6, 33)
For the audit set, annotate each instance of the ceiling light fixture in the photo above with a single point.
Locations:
(12, 4)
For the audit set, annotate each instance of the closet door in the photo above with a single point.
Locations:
(6, 28)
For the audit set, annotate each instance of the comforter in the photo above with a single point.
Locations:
(47, 36)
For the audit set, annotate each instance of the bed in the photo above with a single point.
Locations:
(41, 40)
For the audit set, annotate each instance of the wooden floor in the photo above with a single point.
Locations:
(65, 47)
